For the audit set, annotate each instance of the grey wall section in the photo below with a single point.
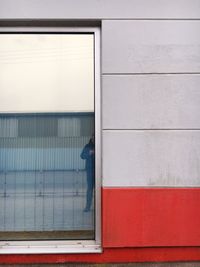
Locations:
(99, 9)
(151, 158)
(151, 46)
(151, 101)
(140, 38)
(151, 97)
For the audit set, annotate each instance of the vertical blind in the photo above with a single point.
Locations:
(42, 176)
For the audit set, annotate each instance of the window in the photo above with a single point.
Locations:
(49, 140)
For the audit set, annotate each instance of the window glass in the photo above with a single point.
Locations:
(47, 152)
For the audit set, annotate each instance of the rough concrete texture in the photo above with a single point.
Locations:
(167, 264)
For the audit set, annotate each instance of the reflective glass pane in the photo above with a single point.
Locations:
(47, 152)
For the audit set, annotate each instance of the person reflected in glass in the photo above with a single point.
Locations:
(88, 154)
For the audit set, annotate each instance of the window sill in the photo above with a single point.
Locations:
(49, 247)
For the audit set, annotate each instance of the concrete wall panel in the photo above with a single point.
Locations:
(151, 158)
(98, 9)
(151, 102)
(151, 46)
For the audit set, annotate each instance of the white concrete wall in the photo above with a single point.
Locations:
(151, 158)
(167, 46)
(99, 9)
(151, 84)
(151, 101)
(151, 98)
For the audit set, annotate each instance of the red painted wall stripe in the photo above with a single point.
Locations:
(116, 255)
(151, 217)
(134, 218)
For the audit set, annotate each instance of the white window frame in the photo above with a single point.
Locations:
(68, 246)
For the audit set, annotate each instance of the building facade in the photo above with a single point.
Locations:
(148, 107)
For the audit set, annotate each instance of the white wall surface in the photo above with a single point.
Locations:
(151, 158)
(151, 46)
(151, 81)
(151, 101)
(99, 9)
